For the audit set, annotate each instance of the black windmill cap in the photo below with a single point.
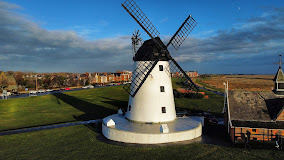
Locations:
(148, 51)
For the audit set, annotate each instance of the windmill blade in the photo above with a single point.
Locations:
(140, 75)
(186, 86)
(182, 33)
(132, 8)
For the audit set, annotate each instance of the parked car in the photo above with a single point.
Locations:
(41, 91)
(33, 92)
(91, 86)
(49, 90)
(209, 119)
(85, 87)
(67, 89)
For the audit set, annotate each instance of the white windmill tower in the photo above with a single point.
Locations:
(151, 98)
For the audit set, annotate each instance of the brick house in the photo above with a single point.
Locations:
(261, 114)
(192, 73)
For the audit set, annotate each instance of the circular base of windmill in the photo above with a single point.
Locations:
(117, 128)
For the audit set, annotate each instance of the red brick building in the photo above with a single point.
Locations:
(259, 113)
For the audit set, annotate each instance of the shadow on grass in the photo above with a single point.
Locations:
(117, 103)
(92, 111)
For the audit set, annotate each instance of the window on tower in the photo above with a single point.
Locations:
(161, 67)
(129, 108)
(162, 88)
(163, 109)
(280, 85)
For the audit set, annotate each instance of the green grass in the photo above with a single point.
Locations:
(61, 107)
(81, 105)
(81, 142)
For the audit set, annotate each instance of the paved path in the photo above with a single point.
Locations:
(216, 92)
(16, 131)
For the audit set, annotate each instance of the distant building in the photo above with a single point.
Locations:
(189, 73)
(192, 74)
(279, 82)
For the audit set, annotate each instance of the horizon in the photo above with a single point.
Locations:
(237, 37)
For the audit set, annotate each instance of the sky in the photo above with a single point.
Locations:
(232, 36)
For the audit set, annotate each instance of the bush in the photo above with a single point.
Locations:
(188, 95)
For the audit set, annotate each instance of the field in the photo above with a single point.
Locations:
(239, 82)
(85, 142)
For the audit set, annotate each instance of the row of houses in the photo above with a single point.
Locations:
(189, 73)
(93, 78)
(118, 77)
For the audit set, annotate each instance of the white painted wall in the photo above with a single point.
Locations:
(142, 138)
(147, 104)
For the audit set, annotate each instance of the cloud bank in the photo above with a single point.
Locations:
(24, 45)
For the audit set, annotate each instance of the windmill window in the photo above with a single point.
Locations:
(162, 88)
(163, 109)
(129, 108)
(161, 68)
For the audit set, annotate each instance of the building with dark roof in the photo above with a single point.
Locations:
(259, 114)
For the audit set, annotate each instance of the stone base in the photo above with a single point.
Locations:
(182, 129)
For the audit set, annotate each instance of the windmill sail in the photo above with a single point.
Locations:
(154, 50)
(182, 33)
(182, 84)
(136, 13)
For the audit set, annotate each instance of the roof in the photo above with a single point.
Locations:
(147, 50)
(254, 106)
(279, 75)
(256, 124)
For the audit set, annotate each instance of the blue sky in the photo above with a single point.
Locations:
(232, 36)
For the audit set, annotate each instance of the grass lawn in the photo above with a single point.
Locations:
(61, 107)
(81, 105)
(81, 142)
(214, 102)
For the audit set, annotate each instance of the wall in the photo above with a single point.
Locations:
(257, 134)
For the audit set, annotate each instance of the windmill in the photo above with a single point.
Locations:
(150, 117)
(154, 68)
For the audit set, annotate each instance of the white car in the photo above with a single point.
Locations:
(85, 87)
(49, 90)
(91, 86)
(41, 91)
(33, 92)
